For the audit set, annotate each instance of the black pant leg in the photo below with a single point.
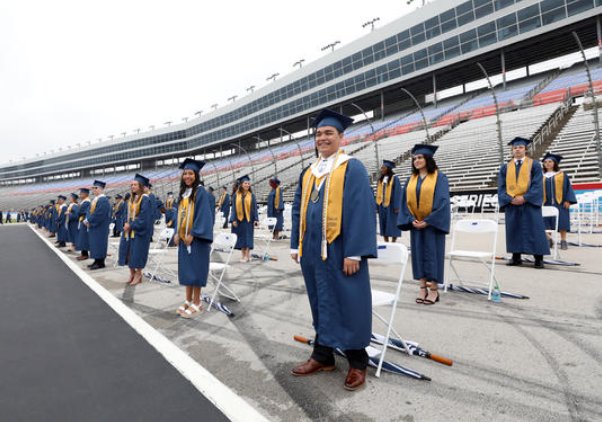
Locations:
(357, 358)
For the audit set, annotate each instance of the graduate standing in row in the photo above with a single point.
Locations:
(388, 201)
(333, 235)
(276, 206)
(170, 211)
(193, 237)
(119, 212)
(520, 195)
(83, 243)
(210, 191)
(244, 217)
(97, 221)
(425, 212)
(558, 192)
(223, 205)
(135, 239)
(72, 221)
(61, 218)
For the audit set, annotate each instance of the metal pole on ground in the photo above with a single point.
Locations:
(497, 113)
(249, 158)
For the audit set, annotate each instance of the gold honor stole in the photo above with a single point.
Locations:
(379, 193)
(93, 206)
(83, 217)
(239, 206)
(221, 200)
(185, 213)
(277, 197)
(134, 211)
(558, 185)
(427, 195)
(332, 208)
(518, 187)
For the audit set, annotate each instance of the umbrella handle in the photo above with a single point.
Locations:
(440, 359)
(302, 339)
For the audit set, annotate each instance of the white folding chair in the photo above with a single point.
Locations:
(224, 242)
(550, 211)
(158, 252)
(265, 234)
(480, 227)
(218, 225)
(389, 254)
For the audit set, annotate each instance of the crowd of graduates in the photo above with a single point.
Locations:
(333, 229)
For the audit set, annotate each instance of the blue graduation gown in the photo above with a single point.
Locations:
(525, 230)
(170, 214)
(225, 207)
(341, 305)
(387, 216)
(98, 232)
(133, 251)
(428, 244)
(51, 224)
(61, 226)
(568, 194)
(276, 210)
(83, 243)
(212, 205)
(73, 223)
(193, 267)
(156, 206)
(120, 216)
(245, 229)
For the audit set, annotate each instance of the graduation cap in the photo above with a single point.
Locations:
(63, 197)
(211, 188)
(84, 190)
(99, 184)
(553, 157)
(423, 149)
(74, 195)
(127, 196)
(144, 181)
(118, 196)
(190, 164)
(52, 201)
(519, 141)
(275, 180)
(331, 118)
(389, 164)
(244, 178)
(169, 193)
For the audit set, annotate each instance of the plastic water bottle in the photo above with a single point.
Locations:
(496, 295)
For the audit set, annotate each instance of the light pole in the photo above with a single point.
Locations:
(152, 127)
(370, 23)
(272, 77)
(249, 158)
(214, 106)
(168, 123)
(137, 130)
(198, 113)
(233, 98)
(251, 89)
(497, 113)
(185, 119)
(361, 110)
(299, 63)
(412, 1)
(424, 123)
(331, 46)
(123, 134)
(594, 104)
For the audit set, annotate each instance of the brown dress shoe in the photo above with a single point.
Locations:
(82, 258)
(311, 367)
(356, 378)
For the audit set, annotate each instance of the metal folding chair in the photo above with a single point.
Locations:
(389, 254)
(158, 252)
(265, 234)
(550, 211)
(224, 242)
(486, 257)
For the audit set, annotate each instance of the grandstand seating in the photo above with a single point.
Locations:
(571, 82)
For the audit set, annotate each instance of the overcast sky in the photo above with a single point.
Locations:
(74, 71)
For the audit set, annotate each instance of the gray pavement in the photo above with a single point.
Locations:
(66, 356)
(529, 360)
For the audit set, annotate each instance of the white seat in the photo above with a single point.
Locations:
(549, 211)
(480, 227)
(224, 242)
(265, 234)
(157, 253)
(389, 254)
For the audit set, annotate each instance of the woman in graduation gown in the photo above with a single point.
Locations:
(244, 217)
(558, 192)
(83, 243)
(61, 220)
(137, 229)
(276, 206)
(194, 235)
(388, 201)
(72, 221)
(425, 212)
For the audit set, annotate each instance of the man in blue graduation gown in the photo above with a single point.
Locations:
(72, 221)
(51, 219)
(276, 206)
(120, 215)
(520, 196)
(388, 202)
(98, 221)
(61, 217)
(224, 205)
(170, 211)
(333, 256)
(83, 244)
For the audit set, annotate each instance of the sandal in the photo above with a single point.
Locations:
(192, 311)
(421, 299)
(432, 302)
(183, 307)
